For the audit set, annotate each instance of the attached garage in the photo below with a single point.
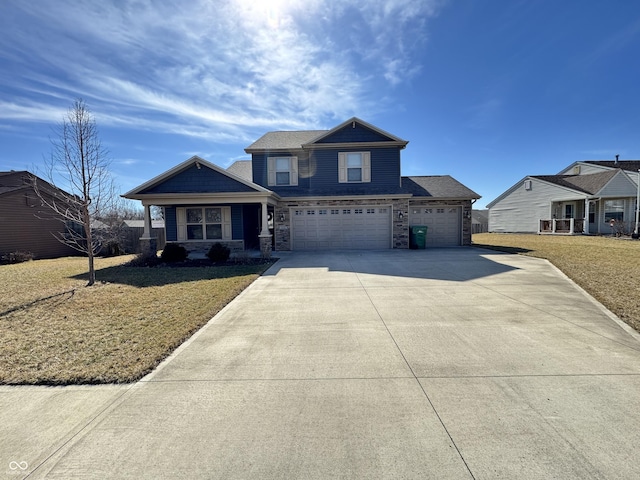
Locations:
(443, 224)
(348, 227)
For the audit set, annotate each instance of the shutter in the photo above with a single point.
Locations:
(293, 172)
(271, 171)
(366, 167)
(226, 223)
(181, 220)
(342, 167)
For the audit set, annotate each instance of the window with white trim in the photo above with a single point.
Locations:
(204, 223)
(614, 210)
(354, 167)
(282, 171)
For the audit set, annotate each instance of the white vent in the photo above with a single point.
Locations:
(527, 184)
(576, 170)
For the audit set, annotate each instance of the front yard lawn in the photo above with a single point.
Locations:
(55, 331)
(608, 268)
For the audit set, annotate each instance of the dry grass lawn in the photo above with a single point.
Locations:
(55, 330)
(608, 268)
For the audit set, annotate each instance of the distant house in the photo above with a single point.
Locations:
(25, 225)
(132, 230)
(479, 221)
(592, 197)
(309, 190)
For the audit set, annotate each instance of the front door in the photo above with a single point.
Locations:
(568, 210)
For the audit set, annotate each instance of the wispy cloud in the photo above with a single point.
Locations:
(210, 69)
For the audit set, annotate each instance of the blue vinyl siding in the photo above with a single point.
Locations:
(237, 230)
(318, 173)
(170, 224)
(358, 134)
(194, 180)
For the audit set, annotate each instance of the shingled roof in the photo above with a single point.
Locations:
(284, 140)
(437, 186)
(591, 183)
(629, 165)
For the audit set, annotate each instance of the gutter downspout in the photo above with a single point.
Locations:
(637, 205)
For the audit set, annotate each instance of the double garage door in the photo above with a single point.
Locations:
(443, 224)
(324, 228)
(368, 228)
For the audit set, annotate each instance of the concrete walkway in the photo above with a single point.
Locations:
(444, 363)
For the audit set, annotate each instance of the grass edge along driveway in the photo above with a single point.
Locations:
(607, 268)
(56, 331)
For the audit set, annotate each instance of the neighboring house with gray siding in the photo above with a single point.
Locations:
(593, 197)
(309, 190)
(25, 225)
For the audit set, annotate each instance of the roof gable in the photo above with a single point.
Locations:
(195, 175)
(355, 130)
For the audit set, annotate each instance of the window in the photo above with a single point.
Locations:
(322, 212)
(204, 223)
(614, 210)
(358, 211)
(354, 167)
(346, 212)
(282, 171)
(335, 212)
(371, 210)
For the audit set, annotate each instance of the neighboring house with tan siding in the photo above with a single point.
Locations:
(25, 225)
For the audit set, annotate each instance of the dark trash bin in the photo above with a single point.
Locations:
(418, 237)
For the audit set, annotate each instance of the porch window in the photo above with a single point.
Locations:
(204, 223)
(614, 210)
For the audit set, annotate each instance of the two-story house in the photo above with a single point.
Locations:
(309, 190)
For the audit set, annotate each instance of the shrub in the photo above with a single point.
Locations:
(218, 253)
(144, 260)
(174, 253)
(17, 257)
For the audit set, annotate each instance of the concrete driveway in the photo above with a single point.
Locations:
(443, 363)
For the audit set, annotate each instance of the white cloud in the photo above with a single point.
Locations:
(210, 69)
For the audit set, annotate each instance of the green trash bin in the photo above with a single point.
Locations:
(418, 237)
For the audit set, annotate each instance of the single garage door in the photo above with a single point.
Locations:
(341, 228)
(443, 224)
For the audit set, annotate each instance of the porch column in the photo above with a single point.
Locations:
(265, 236)
(586, 216)
(148, 244)
(147, 222)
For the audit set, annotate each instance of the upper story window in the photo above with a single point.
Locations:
(282, 171)
(354, 167)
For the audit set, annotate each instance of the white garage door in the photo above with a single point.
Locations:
(341, 228)
(443, 224)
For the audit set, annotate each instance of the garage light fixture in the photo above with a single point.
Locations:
(400, 215)
(282, 217)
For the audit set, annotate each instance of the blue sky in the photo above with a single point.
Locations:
(485, 91)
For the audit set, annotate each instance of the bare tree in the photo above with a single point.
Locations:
(79, 169)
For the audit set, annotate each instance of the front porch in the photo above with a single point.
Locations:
(564, 226)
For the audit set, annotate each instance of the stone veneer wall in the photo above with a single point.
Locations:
(466, 213)
(282, 230)
(204, 247)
